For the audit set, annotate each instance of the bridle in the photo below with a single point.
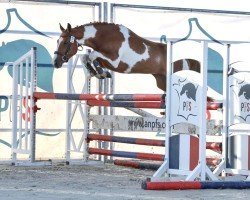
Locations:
(69, 43)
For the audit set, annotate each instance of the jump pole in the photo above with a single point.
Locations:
(211, 161)
(150, 142)
(154, 101)
(125, 154)
(142, 104)
(137, 155)
(127, 140)
(187, 185)
(109, 97)
(136, 164)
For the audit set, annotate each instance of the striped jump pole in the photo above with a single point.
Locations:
(108, 97)
(215, 146)
(186, 185)
(146, 104)
(137, 155)
(154, 101)
(136, 164)
(150, 142)
(125, 154)
(127, 104)
(127, 140)
(211, 161)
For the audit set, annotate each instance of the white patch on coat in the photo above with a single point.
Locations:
(95, 54)
(125, 54)
(185, 65)
(89, 32)
(128, 55)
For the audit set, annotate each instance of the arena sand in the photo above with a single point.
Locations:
(99, 182)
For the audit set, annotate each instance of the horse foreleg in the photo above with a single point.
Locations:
(160, 81)
(95, 68)
(101, 72)
(87, 62)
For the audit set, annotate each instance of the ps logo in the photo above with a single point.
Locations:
(189, 90)
(240, 94)
(186, 93)
(245, 103)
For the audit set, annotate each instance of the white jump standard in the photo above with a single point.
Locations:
(202, 177)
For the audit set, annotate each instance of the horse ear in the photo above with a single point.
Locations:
(69, 28)
(62, 29)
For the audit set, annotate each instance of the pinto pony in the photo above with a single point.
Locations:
(117, 48)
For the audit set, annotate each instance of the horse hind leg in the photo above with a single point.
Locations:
(160, 81)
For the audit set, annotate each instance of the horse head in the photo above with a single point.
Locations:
(67, 46)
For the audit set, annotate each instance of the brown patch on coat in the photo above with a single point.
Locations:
(108, 40)
(105, 64)
(160, 81)
(193, 65)
(137, 45)
(156, 63)
(178, 65)
(78, 32)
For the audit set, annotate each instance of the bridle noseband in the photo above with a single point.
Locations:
(69, 44)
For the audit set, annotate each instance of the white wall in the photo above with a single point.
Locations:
(147, 23)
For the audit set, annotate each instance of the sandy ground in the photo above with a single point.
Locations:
(92, 182)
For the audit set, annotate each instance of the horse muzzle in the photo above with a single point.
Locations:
(57, 64)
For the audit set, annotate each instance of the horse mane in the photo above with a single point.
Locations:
(97, 23)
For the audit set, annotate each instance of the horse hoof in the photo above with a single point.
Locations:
(100, 76)
(99, 70)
